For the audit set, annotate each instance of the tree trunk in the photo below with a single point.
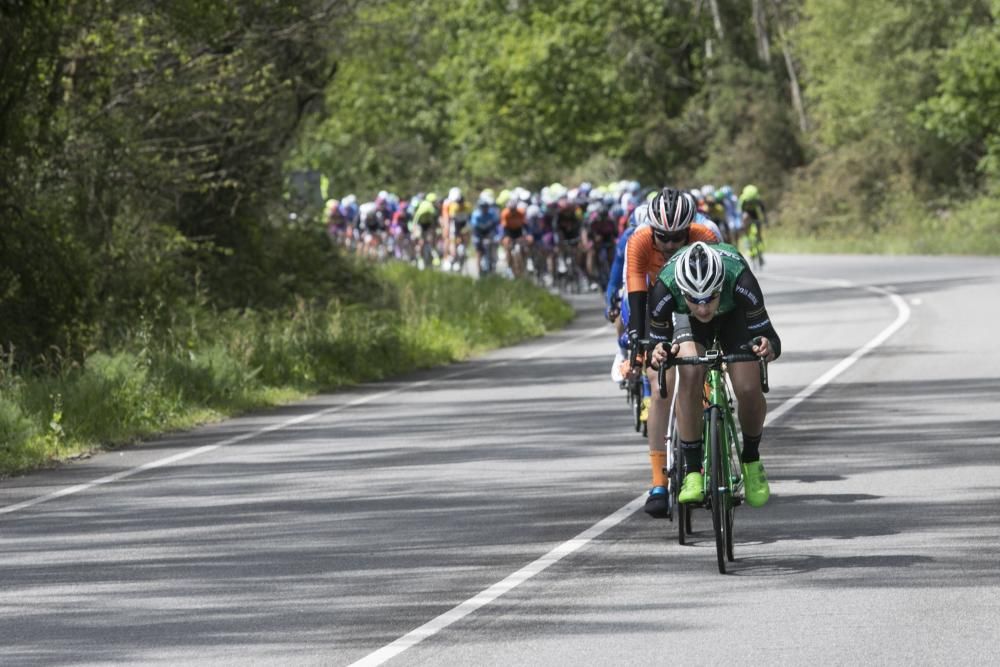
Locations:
(717, 18)
(760, 28)
(793, 81)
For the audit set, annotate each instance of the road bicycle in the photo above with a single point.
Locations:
(633, 383)
(723, 476)
(604, 258)
(568, 273)
(486, 253)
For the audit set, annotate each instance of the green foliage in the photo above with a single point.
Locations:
(750, 132)
(142, 150)
(966, 109)
(16, 430)
(867, 66)
(209, 363)
(485, 93)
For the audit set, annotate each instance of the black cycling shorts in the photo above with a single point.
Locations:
(730, 328)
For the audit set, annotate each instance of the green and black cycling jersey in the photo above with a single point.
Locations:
(740, 317)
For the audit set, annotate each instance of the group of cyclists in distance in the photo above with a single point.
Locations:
(561, 237)
(669, 265)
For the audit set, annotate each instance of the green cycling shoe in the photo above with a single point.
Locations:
(755, 484)
(692, 488)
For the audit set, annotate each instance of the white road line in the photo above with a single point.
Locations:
(159, 463)
(490, 594)
(902, 316)
(487, 596)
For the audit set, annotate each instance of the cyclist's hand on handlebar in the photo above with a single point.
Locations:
(762, 348)
(660, 354)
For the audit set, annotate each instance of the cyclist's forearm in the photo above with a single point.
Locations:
(661, 313)
(637, 314)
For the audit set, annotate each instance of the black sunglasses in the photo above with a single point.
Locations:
(665, 237)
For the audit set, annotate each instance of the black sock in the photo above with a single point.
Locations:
(692, 455)
(751, 445)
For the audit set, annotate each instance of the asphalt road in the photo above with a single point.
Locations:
(487, 513)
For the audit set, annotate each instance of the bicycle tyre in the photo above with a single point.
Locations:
(675, 475)
(716, 488)
(734, 484)
(636, 407)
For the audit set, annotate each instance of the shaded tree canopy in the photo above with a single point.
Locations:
(144, 146)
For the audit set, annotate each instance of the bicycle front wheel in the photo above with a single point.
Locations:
(675, 474)
(635, 389)
(734, 488)
(719, 489)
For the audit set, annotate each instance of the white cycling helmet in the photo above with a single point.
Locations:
(454, 194)
(699, 272)
(640, 216)
(672, 210)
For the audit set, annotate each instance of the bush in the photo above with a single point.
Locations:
(17, 430)
(205, 363)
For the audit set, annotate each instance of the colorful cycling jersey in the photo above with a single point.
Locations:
(741, 296)
(617, 275)
(754, 208)
(426, 214)
(457, 215)
(512, 219)
(603, 228)
(401, 220)
(643, 263)
(644, 260)
(484, 221)
(716, 212)
(335, 221)
(732, 211)
(568, 223)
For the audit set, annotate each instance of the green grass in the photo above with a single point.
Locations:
(208, 365)
(969, 227)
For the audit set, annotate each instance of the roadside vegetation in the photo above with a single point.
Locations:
(203, 365)
(158, 267)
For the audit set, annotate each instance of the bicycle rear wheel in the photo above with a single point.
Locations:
(718, 485)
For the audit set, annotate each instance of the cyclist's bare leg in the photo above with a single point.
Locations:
(745, 377)
(507, 243)
(689, 394)
(659, 410)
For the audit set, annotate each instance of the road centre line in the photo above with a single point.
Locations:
(205, 449)
(490, 594)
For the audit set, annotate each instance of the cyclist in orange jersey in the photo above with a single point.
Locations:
(671, 214)
(513, 219)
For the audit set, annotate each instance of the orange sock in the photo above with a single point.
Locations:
(658, 461)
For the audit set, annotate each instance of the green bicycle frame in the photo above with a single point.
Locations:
(719, 398)
(722, 454)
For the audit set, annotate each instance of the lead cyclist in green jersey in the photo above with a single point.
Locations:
(713, 292)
